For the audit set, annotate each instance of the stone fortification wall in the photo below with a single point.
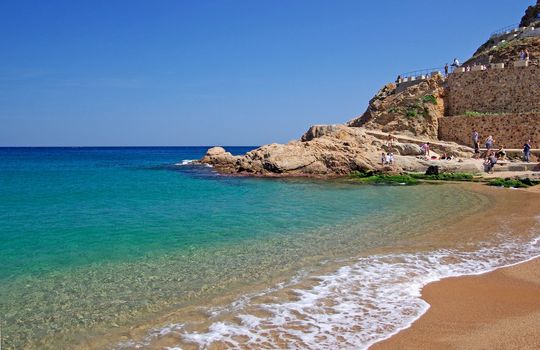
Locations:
(508, 130)
(509, 90)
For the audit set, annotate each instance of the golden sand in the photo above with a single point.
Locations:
(497, 310)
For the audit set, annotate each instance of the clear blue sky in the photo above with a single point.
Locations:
(228, 72)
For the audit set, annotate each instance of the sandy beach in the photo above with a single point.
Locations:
(497, 310)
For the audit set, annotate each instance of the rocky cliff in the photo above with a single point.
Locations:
(332, 151)
(413, 111)
(410, 112)
(505, 47)
(531, 15)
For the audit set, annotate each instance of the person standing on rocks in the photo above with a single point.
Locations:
(476, 145)
(390, 141)
(475, 136)
(425, 148)
(489, 143)
(527, 151)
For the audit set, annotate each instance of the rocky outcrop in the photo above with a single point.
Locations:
(506, 52)
(414, 111)
(332, 150)
(410, 112)
(328, 151)
(505, 47)
(531, 15)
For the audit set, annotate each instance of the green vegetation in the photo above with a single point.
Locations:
(418, 107)
(516, 183)
(411, 112)
(377, 178)
(374, 177)
(473, 114)
(393, 110)
(444, 177)
(429, 99)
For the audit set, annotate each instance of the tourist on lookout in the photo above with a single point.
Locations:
(527, 151)
(456, 63)
(446, 70)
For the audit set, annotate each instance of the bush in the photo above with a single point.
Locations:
(429, 99)
(411, 112)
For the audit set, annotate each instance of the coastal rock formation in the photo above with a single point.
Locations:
(414, 111)
(506, 52)
(531, 15)
(411, 112)
(329, 151)
(504, 47)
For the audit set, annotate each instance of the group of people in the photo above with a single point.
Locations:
(387, 158)
(491, 156)
(524, 55)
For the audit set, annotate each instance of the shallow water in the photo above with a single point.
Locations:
(99, 241)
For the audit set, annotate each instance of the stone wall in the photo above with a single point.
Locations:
(508, 90)
(509, 130)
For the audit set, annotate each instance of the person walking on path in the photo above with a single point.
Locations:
(527, 151)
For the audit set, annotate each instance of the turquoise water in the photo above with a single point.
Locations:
(93, 238)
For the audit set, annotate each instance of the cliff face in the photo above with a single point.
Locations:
(410, 112)
(414, 111)
(531, 15)
(505, 47)
(506, 52)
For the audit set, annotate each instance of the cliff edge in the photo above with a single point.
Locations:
(399, 118)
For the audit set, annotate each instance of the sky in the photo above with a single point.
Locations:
(223, 72)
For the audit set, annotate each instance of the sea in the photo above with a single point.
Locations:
(141, 248)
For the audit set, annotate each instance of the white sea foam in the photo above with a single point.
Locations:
(185, 162)
(192, 162)
(357, 305)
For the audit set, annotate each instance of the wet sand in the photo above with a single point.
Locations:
(497, 310)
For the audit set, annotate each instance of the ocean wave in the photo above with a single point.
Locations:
(354, 307)
(185, 162)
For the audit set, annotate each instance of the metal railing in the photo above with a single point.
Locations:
(421, 72)
(418, 75)
(505, 30)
